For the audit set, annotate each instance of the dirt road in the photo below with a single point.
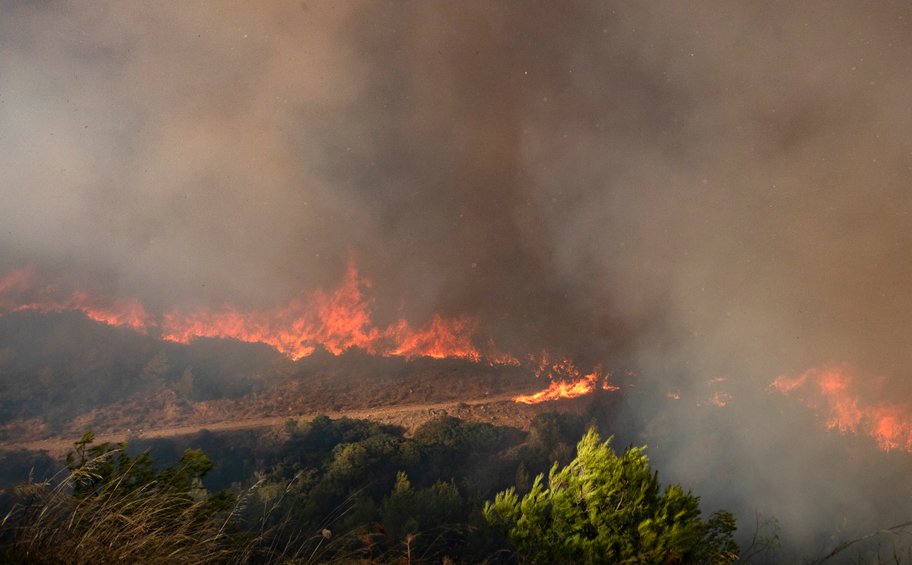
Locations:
(398, 414)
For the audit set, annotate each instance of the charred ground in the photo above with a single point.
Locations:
(61, 374)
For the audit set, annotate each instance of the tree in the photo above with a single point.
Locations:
(415, 511)
(605, 508)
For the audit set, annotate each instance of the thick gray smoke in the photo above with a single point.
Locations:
(700, 189)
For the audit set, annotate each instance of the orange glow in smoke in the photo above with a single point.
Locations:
(441, 339)
(565, 380)
(719, 397)
(18, 293)
(834, 393)
(561, 389)
(496, 357)
(337, 321)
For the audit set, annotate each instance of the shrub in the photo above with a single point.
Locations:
(602, 508)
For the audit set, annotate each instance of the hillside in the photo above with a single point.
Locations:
(62, 374)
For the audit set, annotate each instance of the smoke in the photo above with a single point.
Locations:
(691, 189)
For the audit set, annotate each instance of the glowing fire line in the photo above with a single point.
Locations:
(337, 321)
(565, 380)
(833, 392)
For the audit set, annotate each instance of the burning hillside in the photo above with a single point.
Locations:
(340, 320)
(711, 194)
(119, 382)
(566, 380)
(335, 321)
(850, 404)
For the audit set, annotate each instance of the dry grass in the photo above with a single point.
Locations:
(47, 523)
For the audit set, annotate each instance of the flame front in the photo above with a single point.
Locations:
(565, 380)
(337, 321)
(834, 393)
(442, 338)
(18, 293)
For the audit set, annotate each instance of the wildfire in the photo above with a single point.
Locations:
(442, 338)
(832, 392)
(337, 321)
(719, 397)
(565, 378)
(18, 293)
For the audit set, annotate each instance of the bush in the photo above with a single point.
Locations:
(417, 511)
(602, 508)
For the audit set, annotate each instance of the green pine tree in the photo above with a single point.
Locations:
(605, 508)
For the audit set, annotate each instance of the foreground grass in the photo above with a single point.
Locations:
(113, 508)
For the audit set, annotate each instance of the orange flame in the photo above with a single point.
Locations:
(495, 356)
(565, 380)
(831, 391)
(337, 321)
(18, 293)
(560, 389)
(443, 338)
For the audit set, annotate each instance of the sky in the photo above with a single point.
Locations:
(698, 189)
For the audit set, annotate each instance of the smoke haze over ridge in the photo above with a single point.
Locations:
(699, 189)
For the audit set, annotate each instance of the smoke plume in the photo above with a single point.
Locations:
(693, 190)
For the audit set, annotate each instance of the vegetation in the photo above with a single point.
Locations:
(602, 508)
(111, 507)
(350, 490)
(57, 367)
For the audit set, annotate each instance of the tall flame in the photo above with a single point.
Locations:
(442, 338)
(338, 320)
(833, 393)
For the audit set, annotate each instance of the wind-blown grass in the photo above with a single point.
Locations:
(48, 523)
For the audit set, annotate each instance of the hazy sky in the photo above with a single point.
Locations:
(702, 188)
(573, 172)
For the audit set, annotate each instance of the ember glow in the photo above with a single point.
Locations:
(19, 292)
(844, 403)
(719, 397)
(337, 321)
(565, 380)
